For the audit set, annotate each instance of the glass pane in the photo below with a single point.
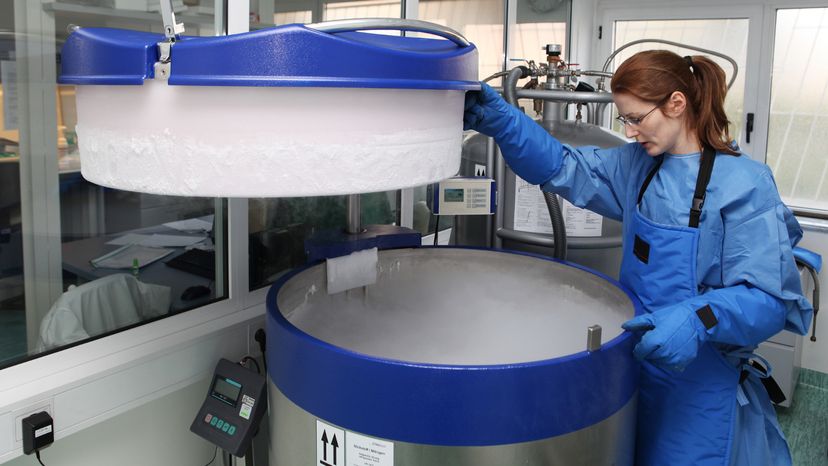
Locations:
(333, 10)
(279, 227)
(538, 24)
(480, 21)
(797, 147)
(292, 17)
(484, 28)
(78, 261)
(726, 36)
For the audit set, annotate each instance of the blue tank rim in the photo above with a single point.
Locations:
(449, 405)
(272, 308)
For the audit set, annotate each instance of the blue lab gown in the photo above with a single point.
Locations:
(737, 264)
(741, 264)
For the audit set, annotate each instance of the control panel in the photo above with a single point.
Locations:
(465, 196)
(235, 404)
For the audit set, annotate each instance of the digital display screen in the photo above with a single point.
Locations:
(453, 195)
(226, 390)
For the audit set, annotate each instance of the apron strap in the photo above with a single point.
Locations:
(705, 170)
(775, 392)
(649, 177)
(708, 156)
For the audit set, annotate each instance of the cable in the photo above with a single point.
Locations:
(256, 363)
(261, 337)
(37, 455)
(215, 450)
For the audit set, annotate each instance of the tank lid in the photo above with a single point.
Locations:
(293, 55)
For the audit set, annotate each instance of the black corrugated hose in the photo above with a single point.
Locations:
(552, 204)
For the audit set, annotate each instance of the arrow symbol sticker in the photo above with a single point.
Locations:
(329, 435)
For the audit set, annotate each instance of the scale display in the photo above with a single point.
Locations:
(226, 390)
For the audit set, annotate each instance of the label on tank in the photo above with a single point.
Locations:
(330, 443)
(532, 214)
(367, 451)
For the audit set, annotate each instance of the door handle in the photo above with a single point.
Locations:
(748, 127)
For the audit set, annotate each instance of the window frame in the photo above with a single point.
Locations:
(766, 79)
(88, 383)
(759, 63)
(636, 11)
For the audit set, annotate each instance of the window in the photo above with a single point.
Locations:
(480, 21)
(292, 17)
(726, 36)
(334, 10)
(278, 228)
(797, 149)
(484, 28)
(538, 24)
(64, 240)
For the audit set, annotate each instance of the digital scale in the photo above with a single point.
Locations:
(235, 404)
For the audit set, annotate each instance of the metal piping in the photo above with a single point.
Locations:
(374, 24)
(675, 44)
(558, 225)
(555, 215)
(496, 75)
(510, 83)
(563, 96)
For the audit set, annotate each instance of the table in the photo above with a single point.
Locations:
(77, 254)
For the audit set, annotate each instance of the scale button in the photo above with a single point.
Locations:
(208, 417)
(225, 427)
(231, 430)
(220, 424)
(213, 421)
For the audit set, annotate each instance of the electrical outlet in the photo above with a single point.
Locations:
(19, 414)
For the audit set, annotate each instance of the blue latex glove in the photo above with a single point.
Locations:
(672, 337)
(531, 152)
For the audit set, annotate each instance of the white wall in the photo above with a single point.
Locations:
(157, 433)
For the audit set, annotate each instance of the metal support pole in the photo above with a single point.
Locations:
(354, 217)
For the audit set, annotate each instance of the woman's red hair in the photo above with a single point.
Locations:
(654, 75)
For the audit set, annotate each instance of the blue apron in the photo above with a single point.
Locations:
(689, 417)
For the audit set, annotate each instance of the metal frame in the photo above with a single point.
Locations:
(40, 195)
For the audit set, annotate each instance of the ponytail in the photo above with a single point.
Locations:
(654, 75)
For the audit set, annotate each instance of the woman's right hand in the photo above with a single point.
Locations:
(528, 149)
(486, 112)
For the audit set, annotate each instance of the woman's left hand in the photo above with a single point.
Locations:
(672, 336)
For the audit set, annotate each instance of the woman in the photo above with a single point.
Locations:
(707, 250)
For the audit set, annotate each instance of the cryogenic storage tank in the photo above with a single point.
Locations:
(454, 357)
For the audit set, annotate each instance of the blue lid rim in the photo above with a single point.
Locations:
(93, 56)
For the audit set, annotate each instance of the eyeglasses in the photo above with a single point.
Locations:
(634, 121)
